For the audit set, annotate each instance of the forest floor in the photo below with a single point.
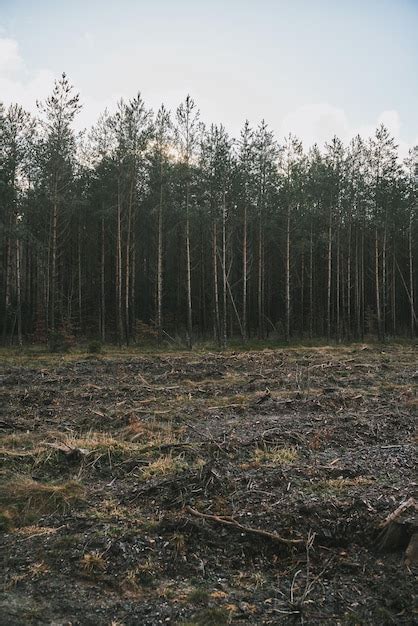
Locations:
(108, 462)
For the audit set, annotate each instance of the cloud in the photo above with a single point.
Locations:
(10, 60)
(318, 123)
(17, 83)
(391, 120)
(20, 85)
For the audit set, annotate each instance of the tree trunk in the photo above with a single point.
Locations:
(189, 275)
(411, 274)
(160, 261)
(128, 264)
(357, 289)
(53, 275)
(102, 286)
(7, 291)
(349, 282)
(363, 286)
(337, 287)
(288, 275)
(79, 285)
(384, 281)
(393, 290)
(119, 269)
(377, 282)
(215, 281)
(260, 280)
(302, 290)
(224, 325)
(311, 283)
(18, 292)
(329, 277)
(245, 275)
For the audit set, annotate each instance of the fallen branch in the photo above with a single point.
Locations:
(230, 521)
(410, 503)
(234, 405)
(394, 535)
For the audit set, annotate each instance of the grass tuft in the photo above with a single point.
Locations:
(166, 464)
(30, 499)
(275, 455)
(93, 562)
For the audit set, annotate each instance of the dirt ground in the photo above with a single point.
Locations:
(109, 461)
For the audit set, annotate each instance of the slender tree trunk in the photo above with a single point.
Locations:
(349, 282)
(128, 264)
(7, 291)
(260, 280)
(377, 282)
(337, 286)
(302, 290)
(18, 292)
(329, 277)
(160, 261)
(102, 286)
(132, 282)
(203, 303)
(53, 275)
(311, 283)
(119, 268)
(393, 290)
(245, 274)
(384, 281)
(411, 274)
(363, 286)
(224, 293)
(79, 285)
(189, 274)
(215, 280)
(288, 275)
(357, 289)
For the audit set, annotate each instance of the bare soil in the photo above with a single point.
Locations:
(108, 461)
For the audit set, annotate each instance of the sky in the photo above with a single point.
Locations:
(311, 67)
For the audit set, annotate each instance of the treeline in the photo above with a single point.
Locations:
(152, 225)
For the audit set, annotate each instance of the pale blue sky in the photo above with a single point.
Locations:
(313, 67)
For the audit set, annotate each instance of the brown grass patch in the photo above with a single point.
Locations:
(28, 499)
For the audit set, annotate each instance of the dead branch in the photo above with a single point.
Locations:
(234, 405)
(410, 503)
(226, 520)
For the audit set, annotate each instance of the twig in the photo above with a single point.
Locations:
(230, 521)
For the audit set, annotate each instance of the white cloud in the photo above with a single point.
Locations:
(318, 123)
(17, 84)
(20, 85)
(10, 60)
(391, 120)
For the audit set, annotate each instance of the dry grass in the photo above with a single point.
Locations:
(151, 432)
(18, 441)
(275, 455)
(93, 563)
(338, 485)
(95, 442)
(34, 571)
(143, 575)
(29, 499)
(166, 464)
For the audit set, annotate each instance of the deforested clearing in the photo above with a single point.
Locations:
(273, 486)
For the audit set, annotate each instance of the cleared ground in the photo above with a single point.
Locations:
(108, 463)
